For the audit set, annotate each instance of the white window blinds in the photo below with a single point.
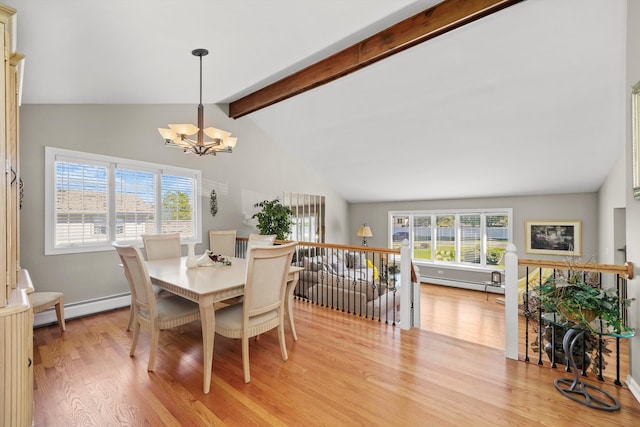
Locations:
(92, 200)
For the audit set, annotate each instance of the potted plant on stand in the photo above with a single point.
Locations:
(274, 218)
(578, 301)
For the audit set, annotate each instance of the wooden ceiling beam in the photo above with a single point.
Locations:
(432, 22)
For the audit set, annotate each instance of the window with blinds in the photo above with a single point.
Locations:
(92, 200)
(464, 237)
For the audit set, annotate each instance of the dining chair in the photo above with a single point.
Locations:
(222, 242)
(260, 240)
(157, 313)
(263, 306)
(162, 246)
(158, 246)
(41, 301)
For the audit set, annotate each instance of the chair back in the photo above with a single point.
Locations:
(266, 281)
(222, 242)
(162, 246)
(135, 270)
(260, 240)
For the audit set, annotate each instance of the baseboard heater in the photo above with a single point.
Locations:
(83, 308)
(476, 286)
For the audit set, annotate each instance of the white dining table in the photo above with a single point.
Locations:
(208, 285)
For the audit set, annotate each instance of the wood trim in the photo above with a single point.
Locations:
(423, 26)
(625, 270)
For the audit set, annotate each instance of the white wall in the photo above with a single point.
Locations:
(257, 170)
(610, 198)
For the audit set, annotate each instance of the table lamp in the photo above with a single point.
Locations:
(364, 231)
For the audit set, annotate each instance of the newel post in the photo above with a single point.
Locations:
(511, 302)
(406, 286)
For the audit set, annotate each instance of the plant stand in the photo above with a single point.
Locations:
(577, 390)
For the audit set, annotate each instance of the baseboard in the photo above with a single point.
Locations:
(462, 284)
(634, 387)
(84, 308)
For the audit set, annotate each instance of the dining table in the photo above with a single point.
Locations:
(207, 285)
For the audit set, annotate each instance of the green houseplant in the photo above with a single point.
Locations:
(274, 218)
(577, 300)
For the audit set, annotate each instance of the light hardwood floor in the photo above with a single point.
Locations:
(476, 317)
(343, 371)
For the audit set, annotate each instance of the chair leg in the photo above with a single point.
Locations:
(245, 359)
(155, 338)
(134, 343)
(283, 345)
(60, 314)
(131, 315)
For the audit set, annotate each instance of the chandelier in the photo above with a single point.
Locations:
(178, 135)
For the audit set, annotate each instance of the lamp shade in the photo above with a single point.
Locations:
(364, 231)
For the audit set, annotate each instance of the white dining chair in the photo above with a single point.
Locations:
(158, 246)
(260, 240)
(263, 306)
(222, 242)
(162, 246)
(156, 313)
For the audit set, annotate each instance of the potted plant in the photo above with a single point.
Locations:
(577, 300)
(274, 218)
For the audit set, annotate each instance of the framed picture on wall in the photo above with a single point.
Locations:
(553, 237)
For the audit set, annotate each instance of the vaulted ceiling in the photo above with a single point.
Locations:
(528, 100)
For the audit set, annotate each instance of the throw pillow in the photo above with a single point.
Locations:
(356, 260)
(337, 267)
(375, 269)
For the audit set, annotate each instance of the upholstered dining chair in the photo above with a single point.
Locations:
(157, 313)
(158, 246)
(261, 240)
(222, 242)
(263, 306)
(40, 301)
(162, 246)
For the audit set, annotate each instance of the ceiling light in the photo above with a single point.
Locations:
(178, 135)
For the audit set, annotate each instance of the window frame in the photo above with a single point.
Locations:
(456, 213)
(111, 163)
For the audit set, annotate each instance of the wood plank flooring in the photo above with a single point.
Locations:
(476, 317)
(343, 371)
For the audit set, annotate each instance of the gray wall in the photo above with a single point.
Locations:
(257, 170)
(583, 206)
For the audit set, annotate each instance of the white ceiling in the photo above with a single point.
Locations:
(527, 101)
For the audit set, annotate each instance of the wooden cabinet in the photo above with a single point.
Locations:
(16, 357)
(16, 315)
(9, 156)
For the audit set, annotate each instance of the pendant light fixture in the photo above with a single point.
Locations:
(178, 135)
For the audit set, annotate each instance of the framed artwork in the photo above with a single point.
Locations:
(554, 237)
(635, 123)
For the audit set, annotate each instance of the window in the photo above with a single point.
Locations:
(92, 200)
(465, 237)
(308, 216)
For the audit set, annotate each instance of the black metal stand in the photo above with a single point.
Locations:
(577, 390)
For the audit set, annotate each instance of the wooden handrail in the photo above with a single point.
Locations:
(625, 271)
(336, 246)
